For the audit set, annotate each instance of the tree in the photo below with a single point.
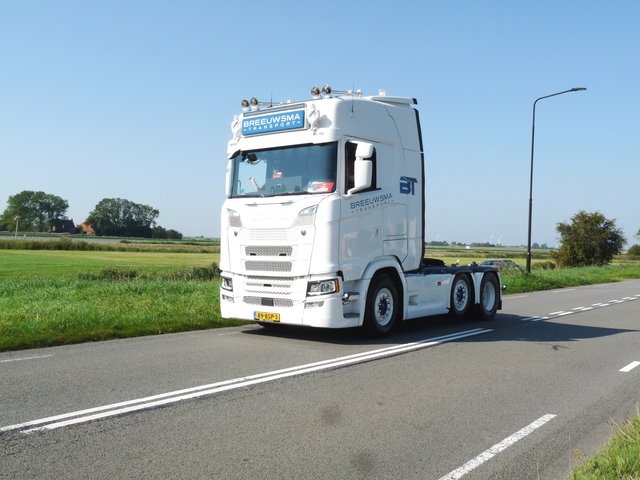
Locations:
(36, 210)
(161, 232)
(590, 239)
(122, 218)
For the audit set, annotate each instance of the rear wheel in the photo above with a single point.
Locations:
(381, 311)
(460, 297)
(489, 296)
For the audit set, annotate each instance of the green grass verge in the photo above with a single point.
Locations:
(112, 303)
(619, 459)
(519, 282)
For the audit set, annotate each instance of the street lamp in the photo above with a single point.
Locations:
(533, 131)
(16, 219)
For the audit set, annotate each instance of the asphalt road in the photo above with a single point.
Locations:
(520, 397)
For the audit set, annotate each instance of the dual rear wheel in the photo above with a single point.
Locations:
(462, 296)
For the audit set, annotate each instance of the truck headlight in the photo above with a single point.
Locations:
(323, 287)
(234, 218)
(227, 284)
(306, 217)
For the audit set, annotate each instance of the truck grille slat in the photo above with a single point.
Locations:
(277, 302)
(268, 251)
(267, 266)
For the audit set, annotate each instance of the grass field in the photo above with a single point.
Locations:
(56, 263)
(55, 297)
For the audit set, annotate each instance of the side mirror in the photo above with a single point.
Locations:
(362, 169)
(363, 150)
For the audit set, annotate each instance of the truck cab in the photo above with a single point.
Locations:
(323, 224)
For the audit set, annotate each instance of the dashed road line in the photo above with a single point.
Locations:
(24, 358)
(497, 448)
(534, 319)
(629, 367)
(562, 313)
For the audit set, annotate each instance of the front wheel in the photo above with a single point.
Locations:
(381, 311)
(460, 296)
(489, 296)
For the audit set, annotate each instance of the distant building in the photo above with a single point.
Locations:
(88, 229)
(62, 226)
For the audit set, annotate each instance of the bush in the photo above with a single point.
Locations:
(120, 274)
(590, 239)
(634, 251)
(548, 265)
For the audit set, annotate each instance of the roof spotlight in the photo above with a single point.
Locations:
(245, 105)
(326, 91)
(253, 103)
(315, 93)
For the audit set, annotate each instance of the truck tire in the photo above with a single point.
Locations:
(381, 310)
(460, 296)
(489, 294)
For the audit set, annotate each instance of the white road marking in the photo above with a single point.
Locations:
(562, 313)
(562, 290)
(81, 416)
(24, 358)
(629, 367)
(497, 448)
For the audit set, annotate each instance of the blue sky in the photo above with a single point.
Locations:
(134, 99)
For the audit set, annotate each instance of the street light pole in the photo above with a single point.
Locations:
(533, 132)
(17, 219)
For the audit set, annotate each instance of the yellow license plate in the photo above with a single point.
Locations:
(266, 316)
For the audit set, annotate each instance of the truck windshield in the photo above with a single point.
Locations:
(296, 170)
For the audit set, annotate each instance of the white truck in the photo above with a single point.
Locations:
(323, 225)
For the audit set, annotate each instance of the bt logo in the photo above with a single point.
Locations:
(407, 185)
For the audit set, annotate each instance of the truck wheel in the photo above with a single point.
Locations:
(489, 292)
(382, 307)
(460, 297)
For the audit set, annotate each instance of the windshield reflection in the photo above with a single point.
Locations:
(298, 170)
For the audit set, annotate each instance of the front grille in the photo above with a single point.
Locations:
(282, 287)
(254, 278)
(271, 235)
(277, 302)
